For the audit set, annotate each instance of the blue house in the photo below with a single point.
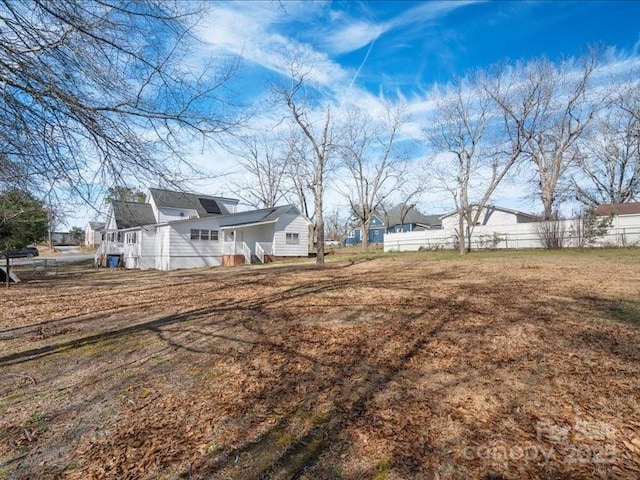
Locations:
(401, 218)
(376, 233)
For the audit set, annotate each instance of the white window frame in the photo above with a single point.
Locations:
(204, 235)
(131, 238)
(292, 238)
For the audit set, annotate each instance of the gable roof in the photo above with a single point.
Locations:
(96, 225)
(618, 209)
(404, 214)
(204, 205)
(132, 214)
(263, 215)
(250, 217)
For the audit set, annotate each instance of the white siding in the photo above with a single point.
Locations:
(162, 248)
(148, 248)
(187, 253)
(230, 205)
(153, 206)
(166, 214)
(257, 233)
(111, 221)
(488, 218)
(132, 250)
(291, 223)
(91, 237)
(498, 217)
(625, 231)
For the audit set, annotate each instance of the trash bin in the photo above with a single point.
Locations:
(113, 261)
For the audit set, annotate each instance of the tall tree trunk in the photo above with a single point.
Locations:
(461, 246)
(547, 202)
(365, 236)
(320, 228)
(7, 272)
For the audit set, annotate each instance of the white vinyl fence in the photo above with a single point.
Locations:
(624, 232)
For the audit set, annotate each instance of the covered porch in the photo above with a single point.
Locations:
(248, 243)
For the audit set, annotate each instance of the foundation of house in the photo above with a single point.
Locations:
(232, 260)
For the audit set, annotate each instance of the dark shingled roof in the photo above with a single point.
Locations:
(205, 205)
(132, 214)
(411, 215)
(257, 216)
(618, 209)
(96, 225)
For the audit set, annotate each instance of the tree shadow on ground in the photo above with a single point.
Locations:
(468, 324)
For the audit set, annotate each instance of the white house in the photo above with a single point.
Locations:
(625, 225)
(491, 216)
(93, 234)
(504, 228)
(174, 230)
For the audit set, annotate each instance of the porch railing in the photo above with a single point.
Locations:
(246, 251)
(229, 248)
(237, 248)
(112, 247)
(262, 249)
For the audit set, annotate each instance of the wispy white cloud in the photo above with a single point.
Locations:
(355, 33)
(252, 30)
(354, 36)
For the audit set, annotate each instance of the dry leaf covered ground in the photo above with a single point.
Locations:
(500, 365)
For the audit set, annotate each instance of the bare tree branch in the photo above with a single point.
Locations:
(101, 91)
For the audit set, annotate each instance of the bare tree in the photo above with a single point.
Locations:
(546, 110)
(551, 232)
(369, 152)
(336, 226)
(609, 158)
(465, 130)
(298, 153)
(265, 163)
(96, 92)
(315, 142)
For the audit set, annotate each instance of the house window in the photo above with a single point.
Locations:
(293, 239)
(131, 238)
(205, 235)
(114, 237)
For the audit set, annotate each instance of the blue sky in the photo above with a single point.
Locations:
(411, 45)
(362, 50)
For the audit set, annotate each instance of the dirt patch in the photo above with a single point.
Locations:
(407, 366)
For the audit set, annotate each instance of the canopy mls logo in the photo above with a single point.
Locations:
(584, 442)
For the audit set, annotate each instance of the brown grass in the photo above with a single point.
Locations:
(498, 365)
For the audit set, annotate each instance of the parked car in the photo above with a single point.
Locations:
(331, 243)
(28, 252)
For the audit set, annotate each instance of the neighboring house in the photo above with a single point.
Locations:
(491, 216)
(505, 228)
(174, 230)
(626, 220)
(407, 218)
(61, 238)
(618, 209)
(401, 218)
(93, 234)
